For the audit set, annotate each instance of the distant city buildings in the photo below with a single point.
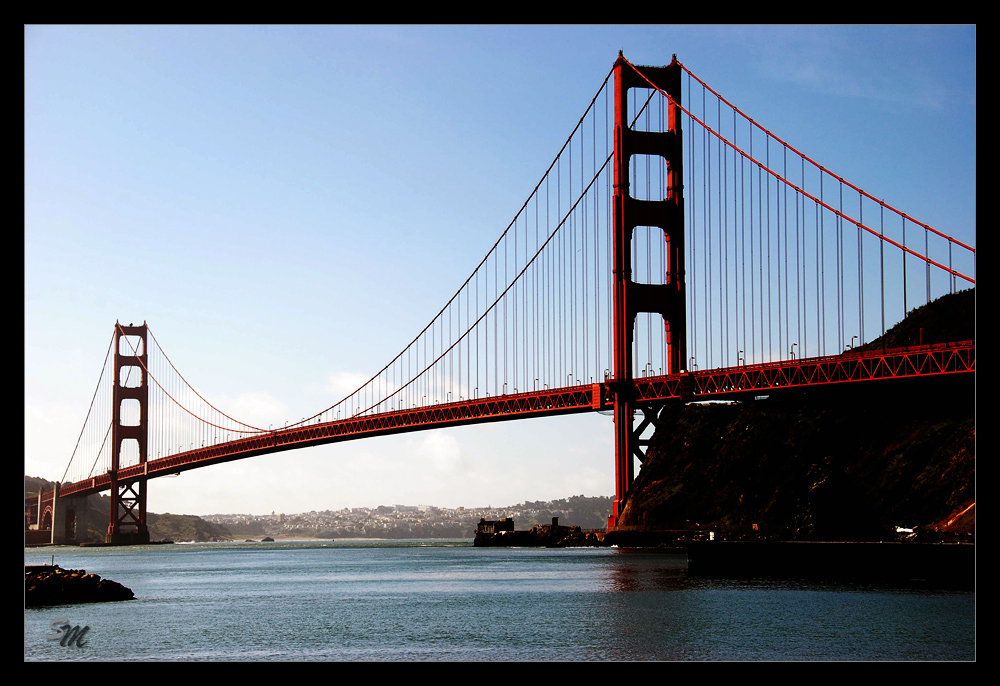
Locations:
(409, 521)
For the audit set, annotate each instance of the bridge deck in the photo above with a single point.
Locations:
(727, 383)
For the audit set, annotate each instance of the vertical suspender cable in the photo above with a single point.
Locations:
(881, 263)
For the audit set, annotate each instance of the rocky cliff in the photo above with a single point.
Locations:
(847, 464)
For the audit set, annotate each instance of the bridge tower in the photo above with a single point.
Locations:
(631, 298)
(128, 499)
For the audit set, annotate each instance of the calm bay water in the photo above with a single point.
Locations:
(428, 600)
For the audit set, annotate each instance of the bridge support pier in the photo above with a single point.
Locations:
(71, 519)
(127, 522)
(631, 298)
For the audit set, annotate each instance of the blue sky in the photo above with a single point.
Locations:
(287, 206)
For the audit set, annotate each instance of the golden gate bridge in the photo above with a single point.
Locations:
(673, 251)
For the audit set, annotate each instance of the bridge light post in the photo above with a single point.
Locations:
(792, 351)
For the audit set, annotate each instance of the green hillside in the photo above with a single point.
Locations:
(162, 527)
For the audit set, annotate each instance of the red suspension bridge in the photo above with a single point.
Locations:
(674, 250)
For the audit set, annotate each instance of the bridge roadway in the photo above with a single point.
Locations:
(718, 384)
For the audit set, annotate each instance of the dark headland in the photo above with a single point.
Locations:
(876, 480)
(851, 463)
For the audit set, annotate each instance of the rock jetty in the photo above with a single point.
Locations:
(52, 585)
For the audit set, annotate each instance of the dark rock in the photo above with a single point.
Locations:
(52, 585)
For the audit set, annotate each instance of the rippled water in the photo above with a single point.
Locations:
(378, 600)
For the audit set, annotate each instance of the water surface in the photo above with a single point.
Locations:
(432, 600)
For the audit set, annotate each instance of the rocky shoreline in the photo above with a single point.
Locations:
(53, 585)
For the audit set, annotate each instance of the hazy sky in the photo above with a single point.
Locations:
(287, 206)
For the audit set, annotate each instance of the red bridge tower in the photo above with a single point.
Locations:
(128, 499)
(631, 298)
